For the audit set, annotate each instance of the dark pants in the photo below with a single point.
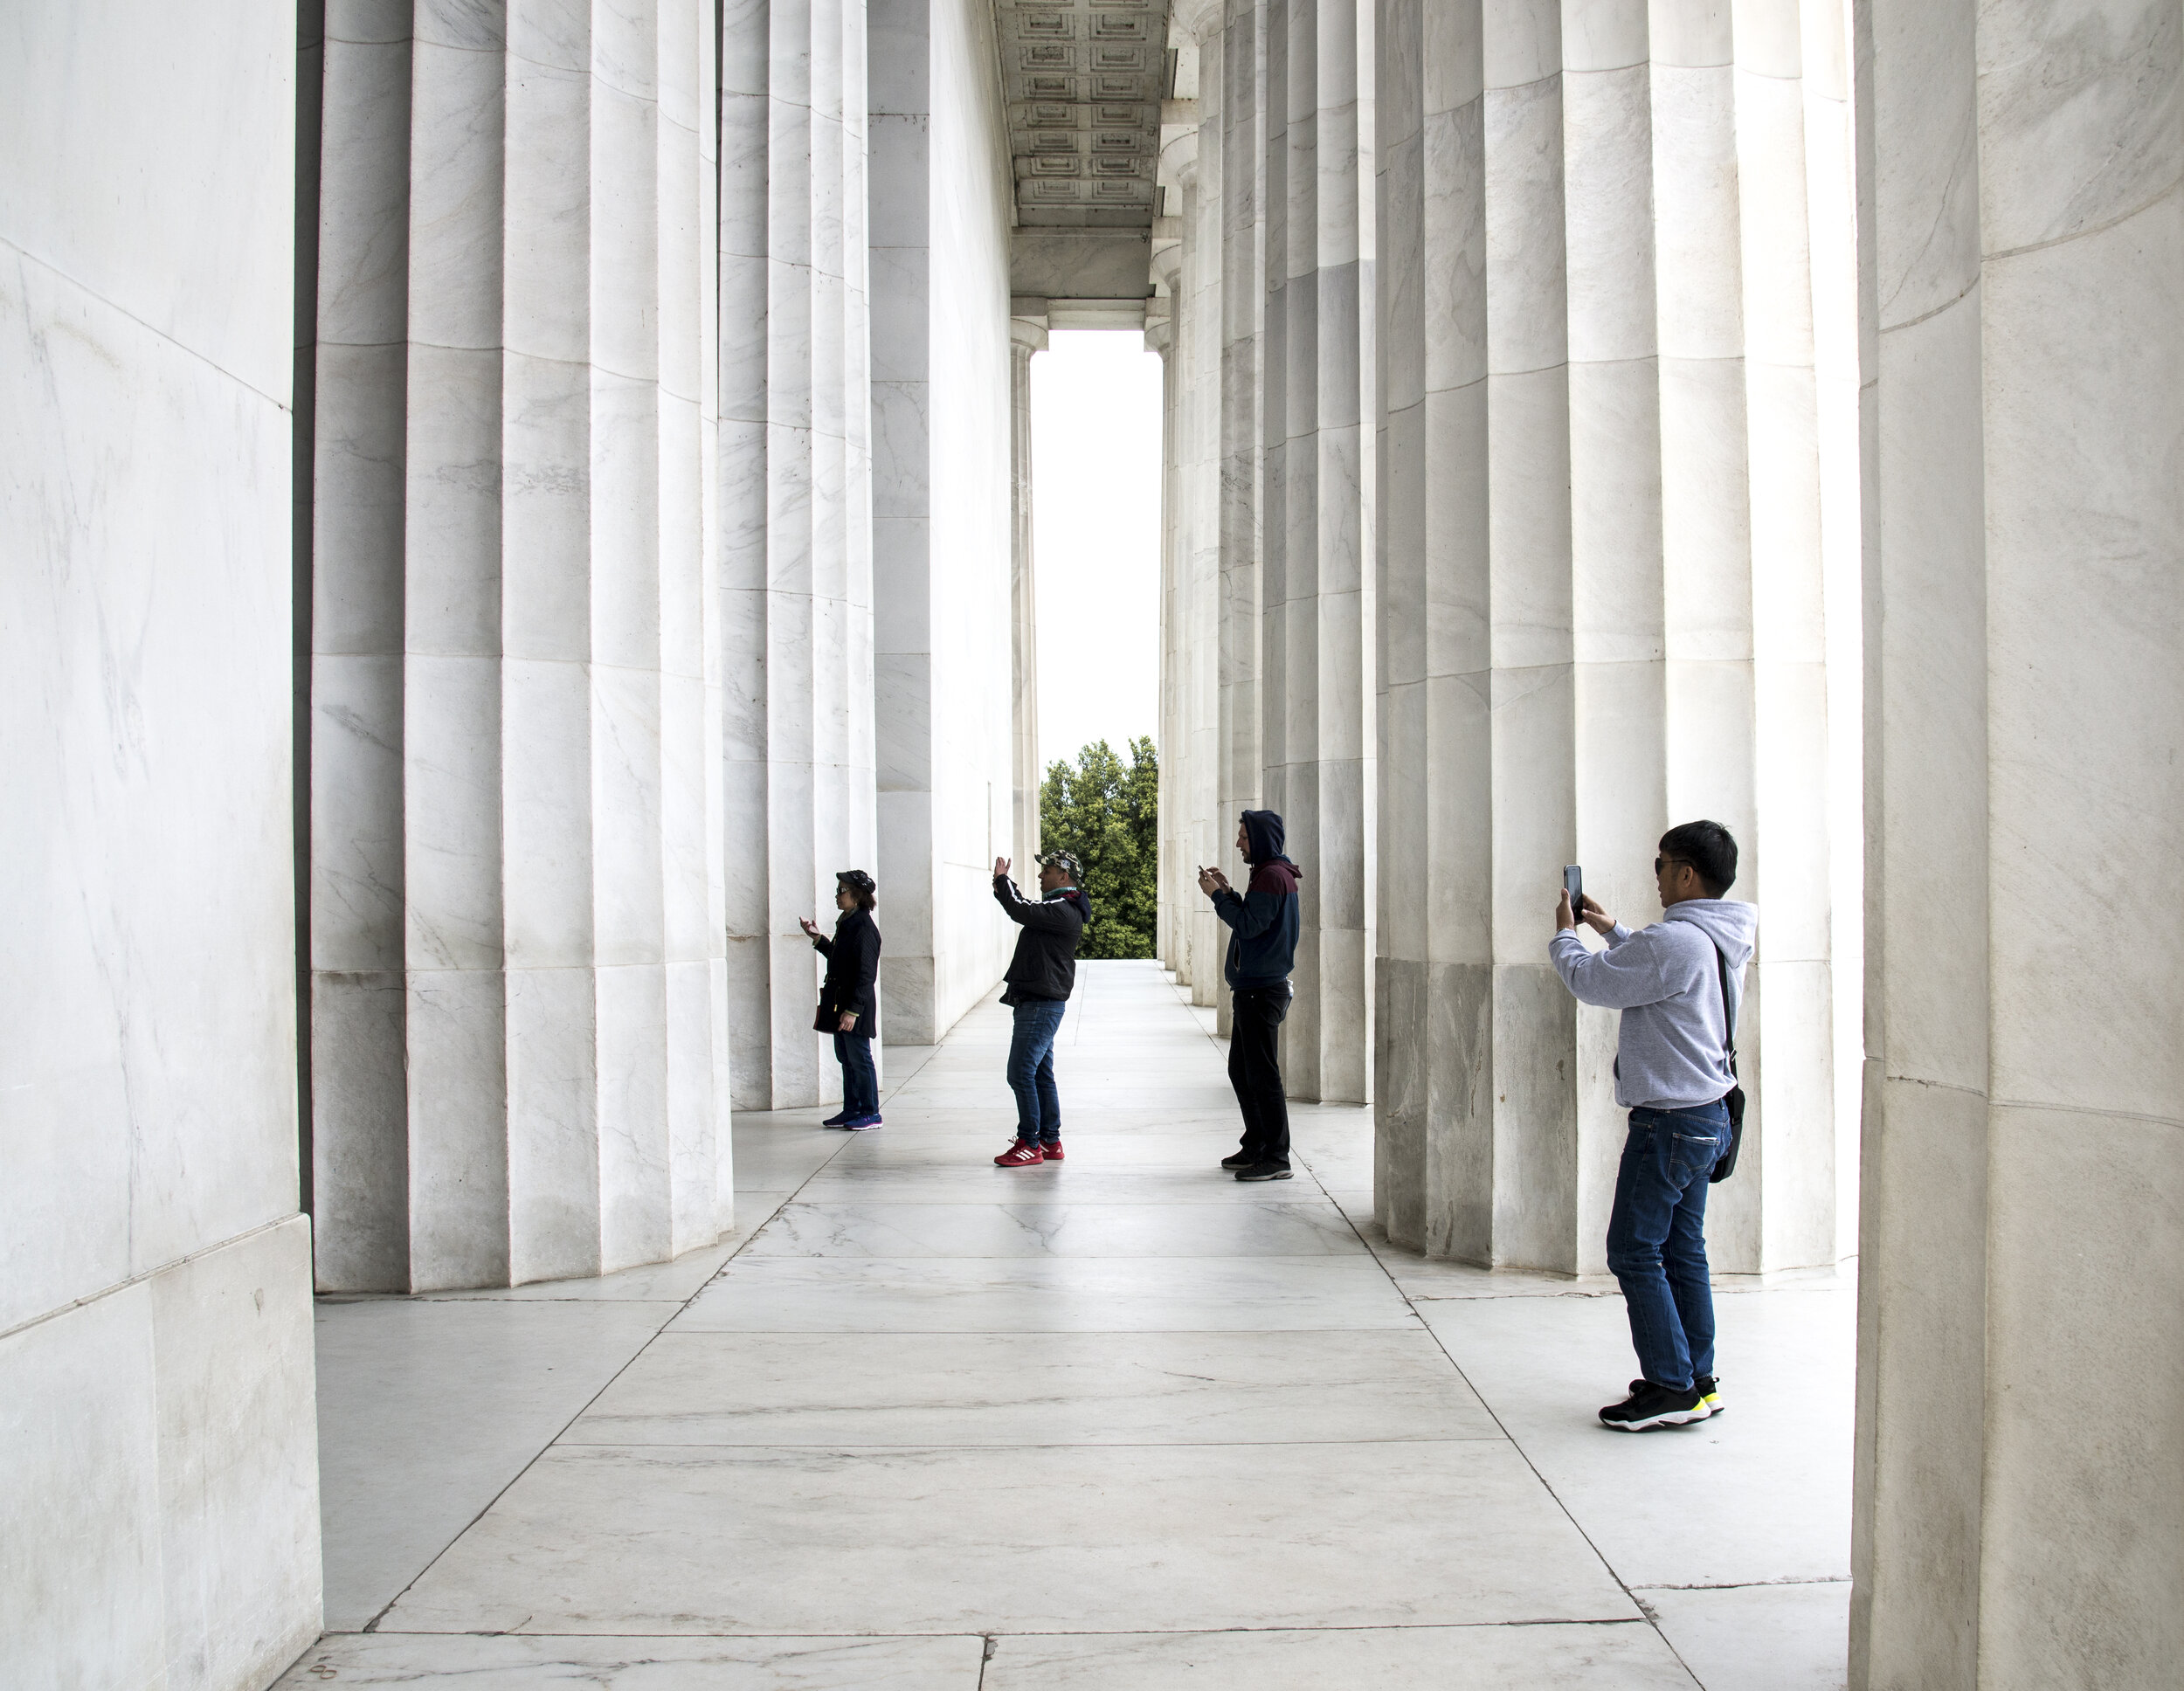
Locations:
(1657, 1238)
(860, 1087)
(1032, 1070)
(1254, 1069)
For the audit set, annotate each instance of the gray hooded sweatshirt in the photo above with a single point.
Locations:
(1672, 1050)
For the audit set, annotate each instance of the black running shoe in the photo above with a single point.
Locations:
(1263, 1171)
(1652, 1406)
(1709, 1388)
(1242, 1160)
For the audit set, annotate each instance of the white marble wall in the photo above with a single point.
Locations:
(158, 1459)
(944, 612)
(519, 1027)
(794, 491)
(1603, 585)
(2019, 1525)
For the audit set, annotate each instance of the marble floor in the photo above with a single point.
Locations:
(1117, 1423)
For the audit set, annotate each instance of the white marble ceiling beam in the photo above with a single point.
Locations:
(793, 472)
(2023, 1173)
(544, 621)
(1432, 1175)
(1534, 1095)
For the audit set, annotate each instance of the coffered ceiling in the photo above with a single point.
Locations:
(1084, 79)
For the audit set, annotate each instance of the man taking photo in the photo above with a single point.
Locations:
(1040, 977)
(1261, 951)
(1677, 983)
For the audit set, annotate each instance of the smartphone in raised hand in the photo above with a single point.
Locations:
(1573, 884)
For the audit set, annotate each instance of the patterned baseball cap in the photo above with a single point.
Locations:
(1064, 861)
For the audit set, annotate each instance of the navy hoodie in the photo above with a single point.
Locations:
(1263, 920)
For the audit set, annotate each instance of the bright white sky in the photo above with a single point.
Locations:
(1095, 539)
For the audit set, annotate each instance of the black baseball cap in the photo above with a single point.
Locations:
(856, 878)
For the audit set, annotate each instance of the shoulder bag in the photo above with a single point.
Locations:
(1726, 1164)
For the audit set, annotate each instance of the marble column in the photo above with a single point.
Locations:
(159, 1461)
(1238, 166)
(1161, 328)
(1027, 336)
(793, 476)
(1313, 590)
(1599, 358)
(2018, 1513)
(520, 1067)
(1433, 977)
(1192, 166)
(1532, 1144)
(942, 570)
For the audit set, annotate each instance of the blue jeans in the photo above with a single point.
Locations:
(1032, 1069)
(860, 1087)
(1657, 1238)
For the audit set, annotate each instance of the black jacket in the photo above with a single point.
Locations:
(852, 966)
(1044, 966)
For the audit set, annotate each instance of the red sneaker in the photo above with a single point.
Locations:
(1021, 1155)
(1052, 1153)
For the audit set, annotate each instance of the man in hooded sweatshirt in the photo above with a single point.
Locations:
(1678, 983)
(1262, 923)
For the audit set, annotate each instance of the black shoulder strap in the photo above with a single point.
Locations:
(1728, 1011)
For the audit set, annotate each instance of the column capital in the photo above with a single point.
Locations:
(1196, 19)
(1028, 333)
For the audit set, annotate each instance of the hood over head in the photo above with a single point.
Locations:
(1263, 833)
(1730, 923)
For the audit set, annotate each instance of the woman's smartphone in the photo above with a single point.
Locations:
(1573, 884)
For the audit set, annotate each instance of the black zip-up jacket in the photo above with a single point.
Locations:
(1044, 966)
(852, 966)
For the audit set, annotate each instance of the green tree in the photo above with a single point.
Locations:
(1107, 814)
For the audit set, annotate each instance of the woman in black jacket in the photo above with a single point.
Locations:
(848, 1000)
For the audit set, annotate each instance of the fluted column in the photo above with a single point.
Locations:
(1312, 592)
(1533, 1144)
(794, 488)
(1599, 354)
(1238, 168)
(1432, 1177)
(2022, 1215)
(1192, 158)
(1163, 324)
(1027, 336)
(519, 1037)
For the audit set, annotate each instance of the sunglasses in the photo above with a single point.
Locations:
(1658, 861)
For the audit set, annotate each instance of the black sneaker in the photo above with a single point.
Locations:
(1242, 1160)
(1651, 1407)
(1263, 1171)
(1709, 1388)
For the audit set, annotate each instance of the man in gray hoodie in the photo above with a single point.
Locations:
(1677, 983)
